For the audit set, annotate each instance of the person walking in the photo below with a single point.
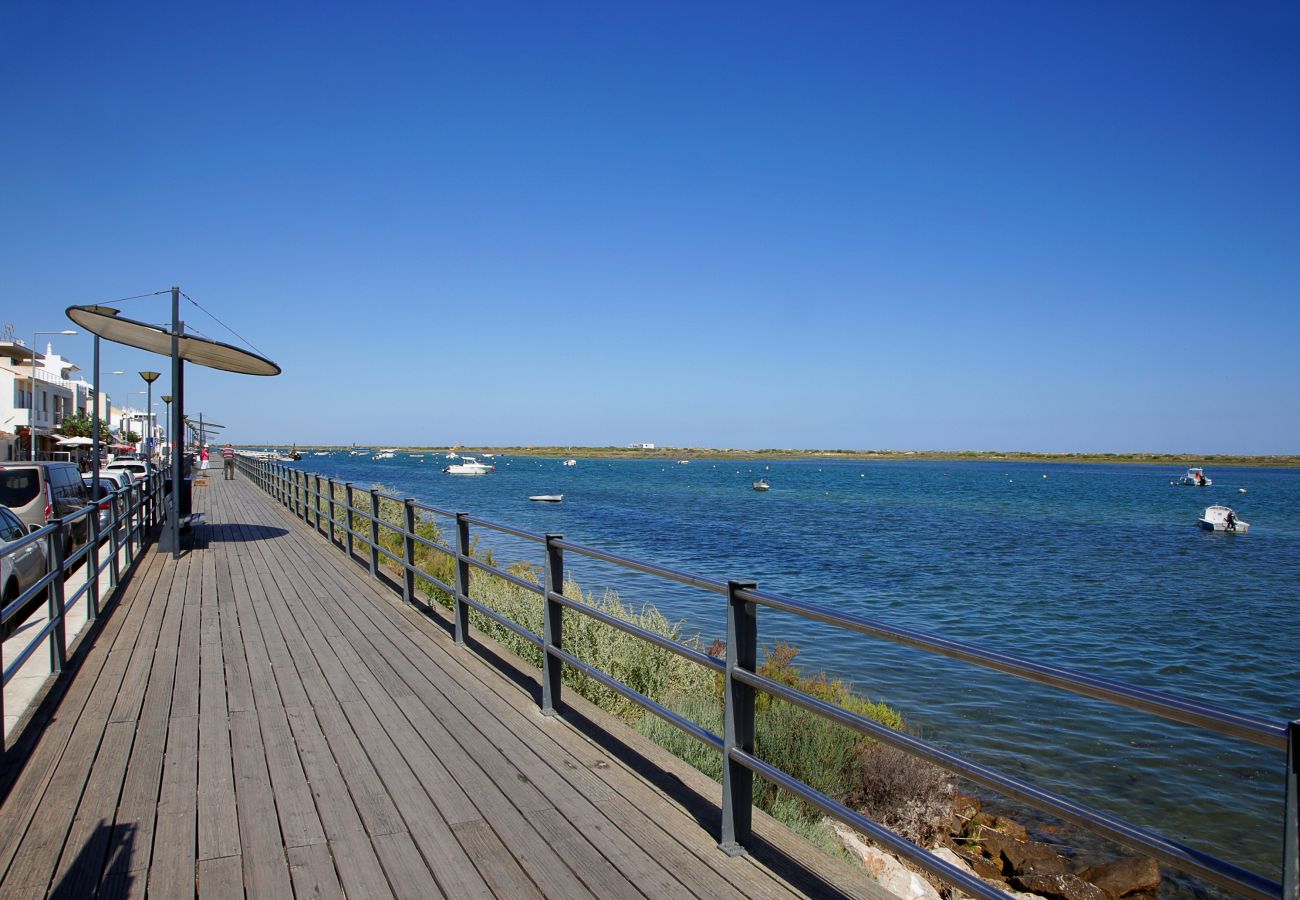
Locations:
(228, 458)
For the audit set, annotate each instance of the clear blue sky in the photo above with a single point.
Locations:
(1023, 225)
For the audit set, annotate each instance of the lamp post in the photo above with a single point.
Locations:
(167, 399)
(149, 379)
(31, 419)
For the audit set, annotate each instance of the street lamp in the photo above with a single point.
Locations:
(31, 419)
(149, 379)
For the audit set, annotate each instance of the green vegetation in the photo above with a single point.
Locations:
(831, 758)
(702, 453)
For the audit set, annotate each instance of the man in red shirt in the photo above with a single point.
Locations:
(228, 457)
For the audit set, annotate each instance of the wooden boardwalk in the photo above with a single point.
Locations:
(261, 718)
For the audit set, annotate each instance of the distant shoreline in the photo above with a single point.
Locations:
(1181, 459)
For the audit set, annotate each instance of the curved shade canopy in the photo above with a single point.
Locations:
(109, 325)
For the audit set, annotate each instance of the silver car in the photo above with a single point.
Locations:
(19, 569)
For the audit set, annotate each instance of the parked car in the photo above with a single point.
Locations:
(39, 491)
(101, 493)
(19, 569)
(139, 468)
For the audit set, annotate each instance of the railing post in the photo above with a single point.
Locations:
(1291, 828)
(552, 626)
(462, 578)
(347, 517)
(374, 532)
(315, 499)
(332, 515)
(114, 547)
(54, 603)
(92, 562)
(408, 550)
(738, 720)
(129, 499)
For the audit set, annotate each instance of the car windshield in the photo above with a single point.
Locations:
(18, 487)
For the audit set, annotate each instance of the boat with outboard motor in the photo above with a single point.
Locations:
(1195, 477)
(1222, 518)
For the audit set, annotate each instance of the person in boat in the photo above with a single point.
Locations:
(1230, 521)
(1200, 479)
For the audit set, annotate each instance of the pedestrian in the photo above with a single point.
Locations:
(203, 457)
(228, 458)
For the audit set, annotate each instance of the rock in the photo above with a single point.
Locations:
(982, 865)
(892, 875)
(1022, 856)
(1124, 876)
(1011, 827)
(1060, 887)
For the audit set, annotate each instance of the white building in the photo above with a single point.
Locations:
(636, 446)
(57, 397)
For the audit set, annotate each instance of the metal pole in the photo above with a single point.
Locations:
(1291, 828)
(31, 419)
(178, 437)
(462, 578)
(553, 626)
(408, 546)
(738, 720)
(92, 558)
(374, 532)
(54, 606)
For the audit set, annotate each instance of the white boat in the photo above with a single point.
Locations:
(1195, 477)
(570, 462)
(762, 485)
(452, 455)
(470, 466)
(683, 462)
(321, 453)
(1222, 518)
(547, 498)
(385, 454)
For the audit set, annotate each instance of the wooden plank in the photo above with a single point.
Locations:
(31, 763)
(266, 872)
(171, 869)
(42, 843)
(408, 875)
(138, 807)
(86, 846)
(221, 878)
(218, 820)
(312, 870)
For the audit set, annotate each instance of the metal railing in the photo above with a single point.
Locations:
(313, 498)
(112, 546)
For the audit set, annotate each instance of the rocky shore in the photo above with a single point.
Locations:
(1000, 851)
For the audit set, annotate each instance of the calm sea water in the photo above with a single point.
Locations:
(1099, 568)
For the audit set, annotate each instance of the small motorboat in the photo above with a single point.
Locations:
(1222, 518)
(762, 485)
(294, 454)
(1195, 477)
(547, 498)
(469, 466)
(385, 454)
(570, 462)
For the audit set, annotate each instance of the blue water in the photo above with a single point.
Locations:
(1099, 568)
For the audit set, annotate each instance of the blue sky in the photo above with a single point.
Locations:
(1000, 225)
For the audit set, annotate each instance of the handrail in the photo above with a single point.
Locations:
(133, 511)
(741, 681)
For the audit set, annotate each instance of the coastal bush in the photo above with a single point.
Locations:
(891, 787)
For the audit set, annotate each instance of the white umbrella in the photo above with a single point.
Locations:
(76, 442)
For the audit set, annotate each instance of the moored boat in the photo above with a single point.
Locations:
(762, 485)
(570, 462)
(547, 498)
(469, 466)
(1222, 518)
(1195, 477)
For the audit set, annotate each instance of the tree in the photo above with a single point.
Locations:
(132, 437)
(77, 425)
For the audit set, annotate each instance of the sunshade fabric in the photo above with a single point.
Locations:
(155, 338)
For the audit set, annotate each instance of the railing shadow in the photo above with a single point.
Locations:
(107, 851)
